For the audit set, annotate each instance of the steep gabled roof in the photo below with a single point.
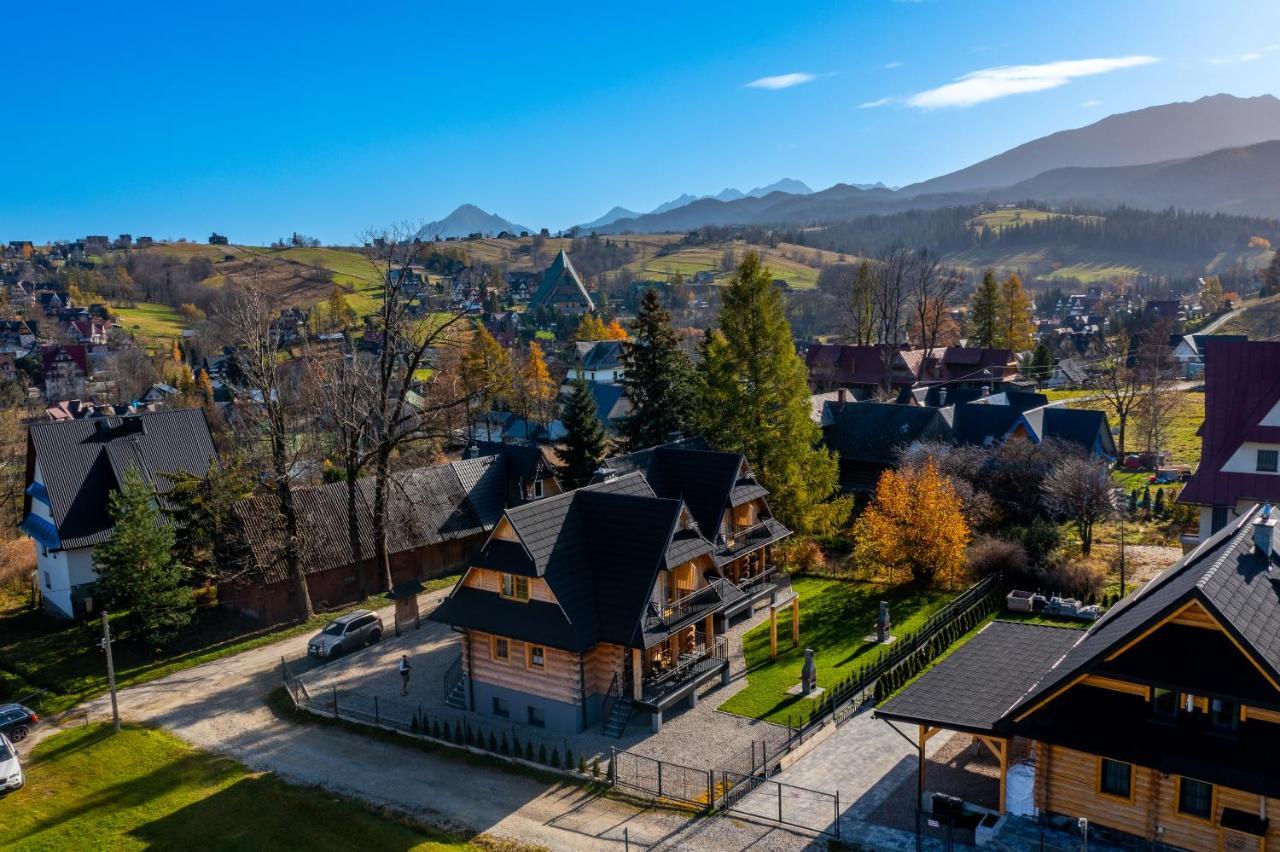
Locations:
(598, 548)
(82, 462)
(559, 276)
(690, 471)
(1242, 385)
(1225, 574)
(1083, 427)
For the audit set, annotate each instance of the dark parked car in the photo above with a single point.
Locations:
(347, 633)
(16, 721)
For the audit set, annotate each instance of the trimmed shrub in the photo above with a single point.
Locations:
(413, 725)
(542, 753)
(555, 757)
(582, 766)
(504, 747)
(595, 766)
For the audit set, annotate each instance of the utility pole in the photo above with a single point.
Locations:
(111, 670)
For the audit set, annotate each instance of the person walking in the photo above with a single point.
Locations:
(404, 674)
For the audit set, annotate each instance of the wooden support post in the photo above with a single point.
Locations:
(926, 733)
(773, 632)
(710, 628)
(1000, 748)
(637, 673)
(795, 620)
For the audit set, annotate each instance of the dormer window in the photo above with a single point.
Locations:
(1268, 461)
(515, 587)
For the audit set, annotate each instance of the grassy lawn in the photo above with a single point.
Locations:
(62, 660)
(141, 789)
(151, 322)
(1181, 439)
(1055, 394)
(835, 618)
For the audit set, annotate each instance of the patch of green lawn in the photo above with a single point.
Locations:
(836, 616)
(61, 659)
(145, 789)
(151, 322)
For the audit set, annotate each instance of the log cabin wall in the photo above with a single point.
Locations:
(555, 688)
(1067, 784)
(600, 664)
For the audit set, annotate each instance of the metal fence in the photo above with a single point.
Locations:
(786, 804)
(504, 739)
(662, 780)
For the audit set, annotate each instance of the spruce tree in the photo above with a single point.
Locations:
(753, 396)
(984, 313)
(1042, 364)
(584, 445)
(1017, 331)
(657, 378)
(136, 569)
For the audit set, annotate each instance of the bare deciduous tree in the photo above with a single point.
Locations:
(1079, 488)
(1118, 381)
(410, 327)
(263, 399)
(931, 292)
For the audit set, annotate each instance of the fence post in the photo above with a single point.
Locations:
(837, 814)
(659, 779)
(711, 790)
(284, 670)
(422, 722)
(613, 766)
(335, 702)
(779, 800)
(377, 717)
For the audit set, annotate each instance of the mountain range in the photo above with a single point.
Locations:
(1216, 154)
(1220, 153)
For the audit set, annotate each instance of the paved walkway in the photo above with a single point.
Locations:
(219, 706)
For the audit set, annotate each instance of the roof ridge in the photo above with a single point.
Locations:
(1229, 550)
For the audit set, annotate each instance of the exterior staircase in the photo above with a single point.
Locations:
(455, 686)
(457, 697)
(619, 715)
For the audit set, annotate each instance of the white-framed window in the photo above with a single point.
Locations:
(537, 488)
(537, 657)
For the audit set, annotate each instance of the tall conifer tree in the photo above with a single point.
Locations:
(584, 444)
(657, 378)
(984, 313)
(754, 397)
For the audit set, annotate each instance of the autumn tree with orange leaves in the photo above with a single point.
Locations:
(913, 528)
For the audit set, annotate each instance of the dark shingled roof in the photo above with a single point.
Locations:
(983, 425)
(874, 431)
(425, 506)
(599, 548)
(707, 481)
(82, 462)
(599, 354)
(1225, 574)
(972, 689)
(1084, 427)
(561, 275)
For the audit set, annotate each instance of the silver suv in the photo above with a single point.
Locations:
(347, 633)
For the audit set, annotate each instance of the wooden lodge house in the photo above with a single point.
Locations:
(587, 606)
(1159, 724)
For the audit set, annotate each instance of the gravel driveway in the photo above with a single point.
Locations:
(219, 706)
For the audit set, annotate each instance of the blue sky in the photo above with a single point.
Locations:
(260, 119)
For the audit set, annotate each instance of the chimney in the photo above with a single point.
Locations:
(1264, 528)
(942, 397)
(472, 452)
(842, 394)
(606, 473)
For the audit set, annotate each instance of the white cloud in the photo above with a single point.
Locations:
(783, 81)
(891, 65)
(878, 102)
(1251, 56)
(1090, 103)
(1000, 82)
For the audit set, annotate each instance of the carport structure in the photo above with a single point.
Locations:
(972, 690)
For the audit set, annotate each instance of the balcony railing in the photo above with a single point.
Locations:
(751, 585)
(699, 601)
(690, 668)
